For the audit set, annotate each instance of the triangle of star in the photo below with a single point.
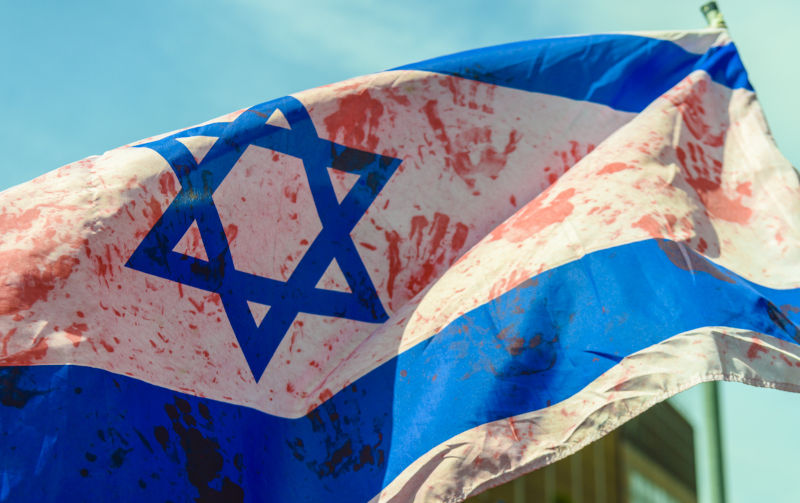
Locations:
(342, 182)
(331, 275)
(198, 145)
(259, 311)
(277, 119)
(333, 279)
(191, 244)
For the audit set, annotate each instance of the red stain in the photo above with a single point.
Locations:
(461, 149)
(108, 347)
(395, 266)
(418, 223)
(6, 339)
(513, 427)
(788, 308)
(290, 195)
(357, 120)
(573, 150)
(688, 99)
(23, 221)
(516, 345)
(166, 184)
(152, 211)
(505, 284)
(459, 236)
(703, 172)
(534, 217)
(613, 168)
(745, 189)
(702, 246)
(36, 280)
(650, 225)
(231, 231)
(568, 158)
(429, 255)
(27, 357)
(439, 229)
(755, 348)
(75, 333)
(199, 306)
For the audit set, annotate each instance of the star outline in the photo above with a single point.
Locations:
(299, 294)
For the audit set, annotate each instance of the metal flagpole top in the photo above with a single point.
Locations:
(713, 15)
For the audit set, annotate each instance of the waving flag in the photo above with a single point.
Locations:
(407, 286)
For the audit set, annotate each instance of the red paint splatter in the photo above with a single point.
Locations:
(461, 149)
(199, 306)
(75, 333)
(395, 266)
(650, 225)
(459, 236)
(357, 120)
(702, 246)
(166, 184)
(745, 189)
(6, 339)
(231, 231)
(35, 281)
(430, 256)
(28, 356)
(703, 172)
(535, 216)
(613, 168)
(688, 99)
(755, 348)
(418, 224)
(23, 221)
(152, 211)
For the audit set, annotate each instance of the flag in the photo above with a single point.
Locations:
(408, 286)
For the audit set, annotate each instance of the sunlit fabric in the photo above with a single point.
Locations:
(408, 286)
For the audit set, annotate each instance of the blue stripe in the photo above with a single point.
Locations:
(625, 72)
(82, 434)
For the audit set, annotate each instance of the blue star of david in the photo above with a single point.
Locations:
(218, 274)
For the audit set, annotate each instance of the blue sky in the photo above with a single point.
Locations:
(80, 78)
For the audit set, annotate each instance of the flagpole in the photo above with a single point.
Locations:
(714, 442)
(716, 467)
(713, 15)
